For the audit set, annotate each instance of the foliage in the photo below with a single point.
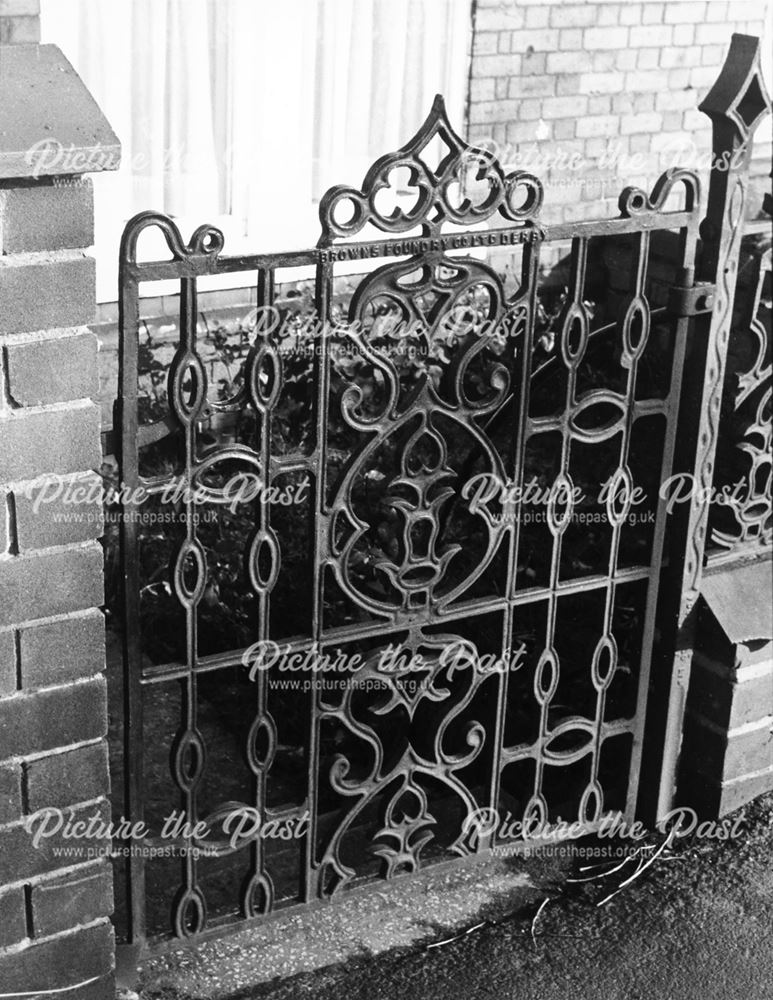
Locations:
(227, 612)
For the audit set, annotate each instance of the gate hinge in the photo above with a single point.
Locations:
(693, 300)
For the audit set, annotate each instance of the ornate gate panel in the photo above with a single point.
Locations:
(398, 567)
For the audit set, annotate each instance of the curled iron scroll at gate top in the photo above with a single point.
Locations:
(399, 588)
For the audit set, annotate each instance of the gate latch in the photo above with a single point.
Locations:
(691, 301)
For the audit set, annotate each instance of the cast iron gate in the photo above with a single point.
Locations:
(431, 596)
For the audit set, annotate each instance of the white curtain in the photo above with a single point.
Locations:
(245, 111)
(379, 65)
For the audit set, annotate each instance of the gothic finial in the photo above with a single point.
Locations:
(466, 187)
(739, 94)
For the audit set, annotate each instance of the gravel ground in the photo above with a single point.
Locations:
(698, 923)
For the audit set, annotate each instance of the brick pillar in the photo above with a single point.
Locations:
(19, 21)
(727, 750)
(55, 930)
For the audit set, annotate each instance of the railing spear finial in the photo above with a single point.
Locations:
(739, 95)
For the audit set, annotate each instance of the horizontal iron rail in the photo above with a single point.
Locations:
(197, 266)
(158, 673)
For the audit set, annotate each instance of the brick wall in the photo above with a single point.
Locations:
(601, 95)
(19, 21)
(55, 931)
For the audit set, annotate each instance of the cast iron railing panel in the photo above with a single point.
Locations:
(485, 651)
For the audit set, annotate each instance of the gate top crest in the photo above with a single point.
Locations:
(517, 195)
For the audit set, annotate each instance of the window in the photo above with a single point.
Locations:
(243, 113)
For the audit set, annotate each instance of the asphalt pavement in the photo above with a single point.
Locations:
(697, 924)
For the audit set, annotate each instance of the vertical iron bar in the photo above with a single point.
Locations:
(679, 332)
(530, 275)
(128, 463)
(736, 105)
(322, 294)
(264, 299)
(188, 311)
